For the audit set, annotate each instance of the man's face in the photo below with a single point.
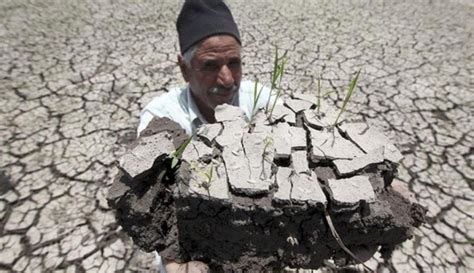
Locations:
(215, 73)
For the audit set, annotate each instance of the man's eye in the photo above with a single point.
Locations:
(235, 64)
(210, 66)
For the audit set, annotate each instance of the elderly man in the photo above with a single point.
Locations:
(211, 64)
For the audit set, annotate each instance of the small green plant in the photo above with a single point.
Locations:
(256, 97)
(318, 102)
(208, 178)
(275, 80)
(179, 152)
(352, 86)
(276, 76)
(268, 141)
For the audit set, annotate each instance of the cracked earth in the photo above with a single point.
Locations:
(75, 74)
(261, 190)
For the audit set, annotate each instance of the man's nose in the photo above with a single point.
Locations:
(225, 77)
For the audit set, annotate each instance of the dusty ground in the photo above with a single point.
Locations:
(74, 75)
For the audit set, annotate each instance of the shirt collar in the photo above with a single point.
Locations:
(195, 115)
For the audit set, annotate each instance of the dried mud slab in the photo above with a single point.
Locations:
(253, 196)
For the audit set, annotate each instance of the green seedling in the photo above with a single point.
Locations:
(276, 76)
(278, 68)
(208, 177)
(256, 97)
(179, 152)
(352, 86)
(268, 140)
(318, 103)
(275, 79)
(205, 175)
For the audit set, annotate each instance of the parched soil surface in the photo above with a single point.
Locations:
(75, 74)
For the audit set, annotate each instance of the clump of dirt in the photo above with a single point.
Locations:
(203, 209)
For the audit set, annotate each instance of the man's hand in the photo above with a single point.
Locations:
(189, 267)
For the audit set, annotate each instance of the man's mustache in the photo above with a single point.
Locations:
(222, 89)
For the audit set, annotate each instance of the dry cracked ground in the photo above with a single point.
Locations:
(75, 74)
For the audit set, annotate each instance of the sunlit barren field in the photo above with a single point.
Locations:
(75, 74)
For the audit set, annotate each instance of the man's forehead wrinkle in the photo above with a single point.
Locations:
(216, 57)
(209, 57)
(218, 49)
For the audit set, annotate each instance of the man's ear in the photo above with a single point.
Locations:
(183, 67)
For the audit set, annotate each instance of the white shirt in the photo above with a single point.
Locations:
(178, 105)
